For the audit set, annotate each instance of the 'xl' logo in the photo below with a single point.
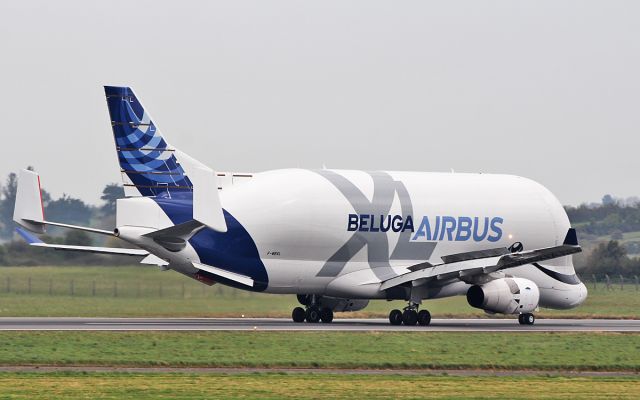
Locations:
(384, 190)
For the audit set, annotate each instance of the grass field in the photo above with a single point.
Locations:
(539, 351)
(145, 291)
(306, 386)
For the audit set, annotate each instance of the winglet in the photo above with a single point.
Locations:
(29, 210)
(572, 238)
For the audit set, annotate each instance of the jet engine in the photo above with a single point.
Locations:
(505, 296)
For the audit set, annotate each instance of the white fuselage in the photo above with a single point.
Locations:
(323, 232)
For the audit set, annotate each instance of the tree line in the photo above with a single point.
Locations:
(606, 218)
(609, 258)
(606, 224)
(14, 251)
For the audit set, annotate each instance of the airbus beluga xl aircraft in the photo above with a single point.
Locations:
(334, 238)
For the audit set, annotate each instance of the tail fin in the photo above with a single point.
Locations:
(149, 165)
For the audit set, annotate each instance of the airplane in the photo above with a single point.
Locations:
(336, 239)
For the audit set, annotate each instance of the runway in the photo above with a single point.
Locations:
(284, 324)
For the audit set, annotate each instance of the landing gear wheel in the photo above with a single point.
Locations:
(526, 319)
(395, 317)
(298, 314)
(529, 319)
(326, 315)
(424, 317)
(313, 315)
(410, 317)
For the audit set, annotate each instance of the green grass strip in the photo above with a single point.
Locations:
(306, 386)
(539, 351)
(143, 291)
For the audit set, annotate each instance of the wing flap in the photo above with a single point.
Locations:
(473, 255)
(442, 271)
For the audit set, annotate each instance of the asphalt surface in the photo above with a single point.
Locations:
(283, 324)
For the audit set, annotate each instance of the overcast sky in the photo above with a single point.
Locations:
(545, 89)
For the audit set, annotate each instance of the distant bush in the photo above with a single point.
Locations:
(601, 220)
(611, 258)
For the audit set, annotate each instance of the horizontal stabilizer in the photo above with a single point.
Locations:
(35, 241)
(28, 211)
(80, 228)
(184, 230)
(175, 238)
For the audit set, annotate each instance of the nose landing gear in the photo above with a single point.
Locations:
(526, 319)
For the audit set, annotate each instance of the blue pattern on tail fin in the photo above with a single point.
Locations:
(28, 236)
(144, 156)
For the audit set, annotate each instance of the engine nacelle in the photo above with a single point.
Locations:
(505, 296)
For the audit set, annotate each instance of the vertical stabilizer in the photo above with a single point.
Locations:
(29, 210)
(151, 167)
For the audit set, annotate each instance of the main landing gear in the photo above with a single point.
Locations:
(313, 312)
(410, 316)
(526, 319)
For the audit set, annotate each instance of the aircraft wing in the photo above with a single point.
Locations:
(34, 241)
(465, 265)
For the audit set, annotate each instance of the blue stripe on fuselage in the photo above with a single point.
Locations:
(233, 250)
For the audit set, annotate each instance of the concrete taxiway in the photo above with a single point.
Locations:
(283, 324)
